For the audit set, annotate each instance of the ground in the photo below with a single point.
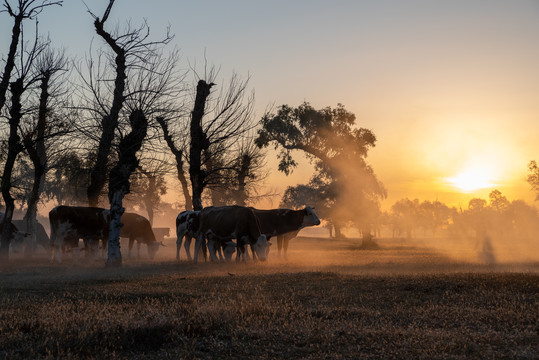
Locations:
(404, 300)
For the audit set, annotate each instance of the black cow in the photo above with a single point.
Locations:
(71, 223)
(285, 224)
(218, 224)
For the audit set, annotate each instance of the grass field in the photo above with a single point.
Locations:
(405, 300)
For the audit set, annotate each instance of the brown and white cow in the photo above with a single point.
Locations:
(71, 223)
(218, 224)
(285, 224)
(137, 228)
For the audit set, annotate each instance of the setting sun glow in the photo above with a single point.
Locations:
(471, 180)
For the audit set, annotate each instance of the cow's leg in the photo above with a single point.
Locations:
(220, 250)
(285, 247)
(198, 243)
(179, 238)
(130, 247)
(280, 239)
(187, 246)
(245, 248)
(56, 252)
(93, 247)
(104, 247)
(212, 241)
(138, 249)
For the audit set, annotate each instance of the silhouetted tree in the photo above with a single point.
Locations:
(179, 159)
(48, 65)
(147, 186)
(69, 178)
(131, 49)
(330, 139)
(533, 177)
(216, 124)
(25, 78)
(23, 9)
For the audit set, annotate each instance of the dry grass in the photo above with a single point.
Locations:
(337, 302)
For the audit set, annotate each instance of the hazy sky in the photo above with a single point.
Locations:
(450, 88)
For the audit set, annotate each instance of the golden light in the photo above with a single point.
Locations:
(471, 180)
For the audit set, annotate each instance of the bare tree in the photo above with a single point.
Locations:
(148, 185)
(228, 118)
(131, 50)
(179, 159)
(24, 9)
(48, 65)
(25, 79)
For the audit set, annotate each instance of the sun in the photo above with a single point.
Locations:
(471, 180)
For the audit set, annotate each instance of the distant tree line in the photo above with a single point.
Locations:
(495, 216)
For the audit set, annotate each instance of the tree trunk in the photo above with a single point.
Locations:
(10, 60)
(38, 156)
(241, 193)
(338, 232)
(199, 143)
(14, 148)
(178, 156)
(119, 182)
(148, 198)
(109, 122)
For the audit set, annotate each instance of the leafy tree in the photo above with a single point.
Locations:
(338, 149)
(405, 216)
(533, 177)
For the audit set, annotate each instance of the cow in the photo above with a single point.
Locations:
(137, 227)
(16, 237)
(218, 224)
(285, 224)
(71, 223)
(42, 239)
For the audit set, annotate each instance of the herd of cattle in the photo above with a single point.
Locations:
(218, 231)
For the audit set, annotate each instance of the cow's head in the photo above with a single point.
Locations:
(260, 247)
(229, 250)
(310, 218)
(17, 240)
(153, 247)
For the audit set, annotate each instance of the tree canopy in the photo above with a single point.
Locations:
(338, 148)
